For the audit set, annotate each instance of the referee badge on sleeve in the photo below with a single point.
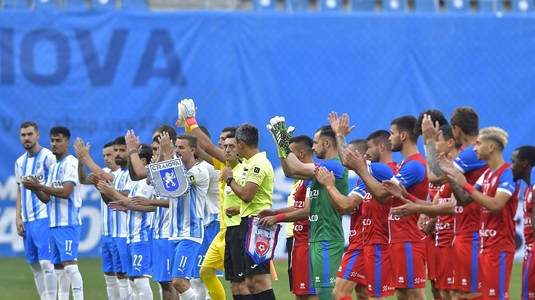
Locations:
(261, 241)
(168, 178)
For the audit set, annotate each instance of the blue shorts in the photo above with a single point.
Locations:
(210, 232)
(110, 256)
(161, 261)
(122, 250)
(139, 260)
(183, 258)
(37, 241)
(64, 242)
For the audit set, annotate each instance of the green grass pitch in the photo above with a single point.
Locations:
(17, 281)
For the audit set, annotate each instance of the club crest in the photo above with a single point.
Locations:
(261, 241)
(169, 178)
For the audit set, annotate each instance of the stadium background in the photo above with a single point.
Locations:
(102, 72)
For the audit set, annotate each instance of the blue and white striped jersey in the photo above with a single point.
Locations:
(211, 210)
(37, 166)
(118, 219)
(160, 222)
(187, 211)
(139, 222)
(65, 212)
(106, 213)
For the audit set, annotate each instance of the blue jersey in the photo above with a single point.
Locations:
(65, 212)
(118, 219)
(211, 211)
(139, 222)
(187, 211)
(467, 160)
(37, 166)
(160, 222)
(106, 214)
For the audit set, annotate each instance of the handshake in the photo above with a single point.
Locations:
(281, 134)
(186, 113)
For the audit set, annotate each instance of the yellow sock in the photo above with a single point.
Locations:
(214, 286)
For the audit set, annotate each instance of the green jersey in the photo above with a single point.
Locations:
(325, 221)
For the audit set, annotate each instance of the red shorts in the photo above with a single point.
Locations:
(495, 269)
(444, 259)
(528, 276)
(430, 257)
(466, 264)
(352, 266)
(378, 269)
(408, 264)
(301, 279)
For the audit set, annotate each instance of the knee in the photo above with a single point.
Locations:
(206, 272)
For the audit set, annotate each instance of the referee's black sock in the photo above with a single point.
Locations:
(237, 297)
(265, 295)
(247, 297)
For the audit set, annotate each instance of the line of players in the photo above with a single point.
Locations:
(473, 197)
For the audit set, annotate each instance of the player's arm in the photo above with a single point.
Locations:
(294, 168)
(430, 209)
(207, 150)
(18, 211)
(292, 216)
(82, 152)
(246, 192)
(342, 203)
(150, 202)
(430, 133)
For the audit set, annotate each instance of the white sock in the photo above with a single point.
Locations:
(200, 289)
(143, 286)
(39, 278)
(76, 281)
(161, 291)
(123, 288)
(134, 293)
(64, 284)
(50, 280)
(112, 287)
(188, 295)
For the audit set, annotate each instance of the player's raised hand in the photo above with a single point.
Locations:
(445, 163)
(166, 145)
(132, 141)
(457, 176)
(343, 126)
(105, 187)
(94, 178)
(334, 121)
(81, 149)
(324, 176)
(186, 111)
(281, 134)
(353, 160)
(430, 131)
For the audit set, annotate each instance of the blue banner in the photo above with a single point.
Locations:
(102, 73)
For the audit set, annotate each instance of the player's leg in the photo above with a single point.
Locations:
(64, 282)
(350, 274)
(466, 277)
(325, 258)
(69, 241)
(38, 255)
(409, 269)
(301, 273)
(161, 266)
(198, 285)
(121, 256)
(378, 270)
(528, 276)
(495, 274)
(112, 284)
(183, 262)
(213, 261)
(140, 269)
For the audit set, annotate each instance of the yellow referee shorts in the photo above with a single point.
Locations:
(215, 255)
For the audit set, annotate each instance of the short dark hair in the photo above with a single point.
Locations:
(435, 114)
(303, 142)
(526, 153)
(380, 136)
(167, 128)
(231, 129)
(156, 139)
(447, 133)
(231, 135)
(57, 130)
(192, 140)
(121, 140)
(205, 130)
(145, 152)
(327, 132)
(108, 144)
(27, 124)
(360, 144)
(247, 133)
(406, 124)
(467, 119)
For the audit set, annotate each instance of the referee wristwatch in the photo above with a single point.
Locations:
(229, 180)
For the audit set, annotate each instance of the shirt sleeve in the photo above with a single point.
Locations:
(479, 182)
(144, 190)
(17, 173)
(71, 172)
(381, 171)
(333, 166)
(359, 189)
(507, 184)
(198, 175)
(468, 161)
(411, 173)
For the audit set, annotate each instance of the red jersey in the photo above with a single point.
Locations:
(445, 225)
(355, 229)
(301, 228)
(433, 190)
(497, 230)
(528, 212)
(375, 214)
(413, 175)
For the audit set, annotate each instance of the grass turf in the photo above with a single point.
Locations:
(17, 281)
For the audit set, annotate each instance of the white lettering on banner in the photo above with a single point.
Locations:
(92, 239)
(8, 229)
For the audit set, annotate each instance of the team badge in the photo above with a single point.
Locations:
(169, 178)
(261, 241)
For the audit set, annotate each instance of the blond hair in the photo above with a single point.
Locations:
(495, 134)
